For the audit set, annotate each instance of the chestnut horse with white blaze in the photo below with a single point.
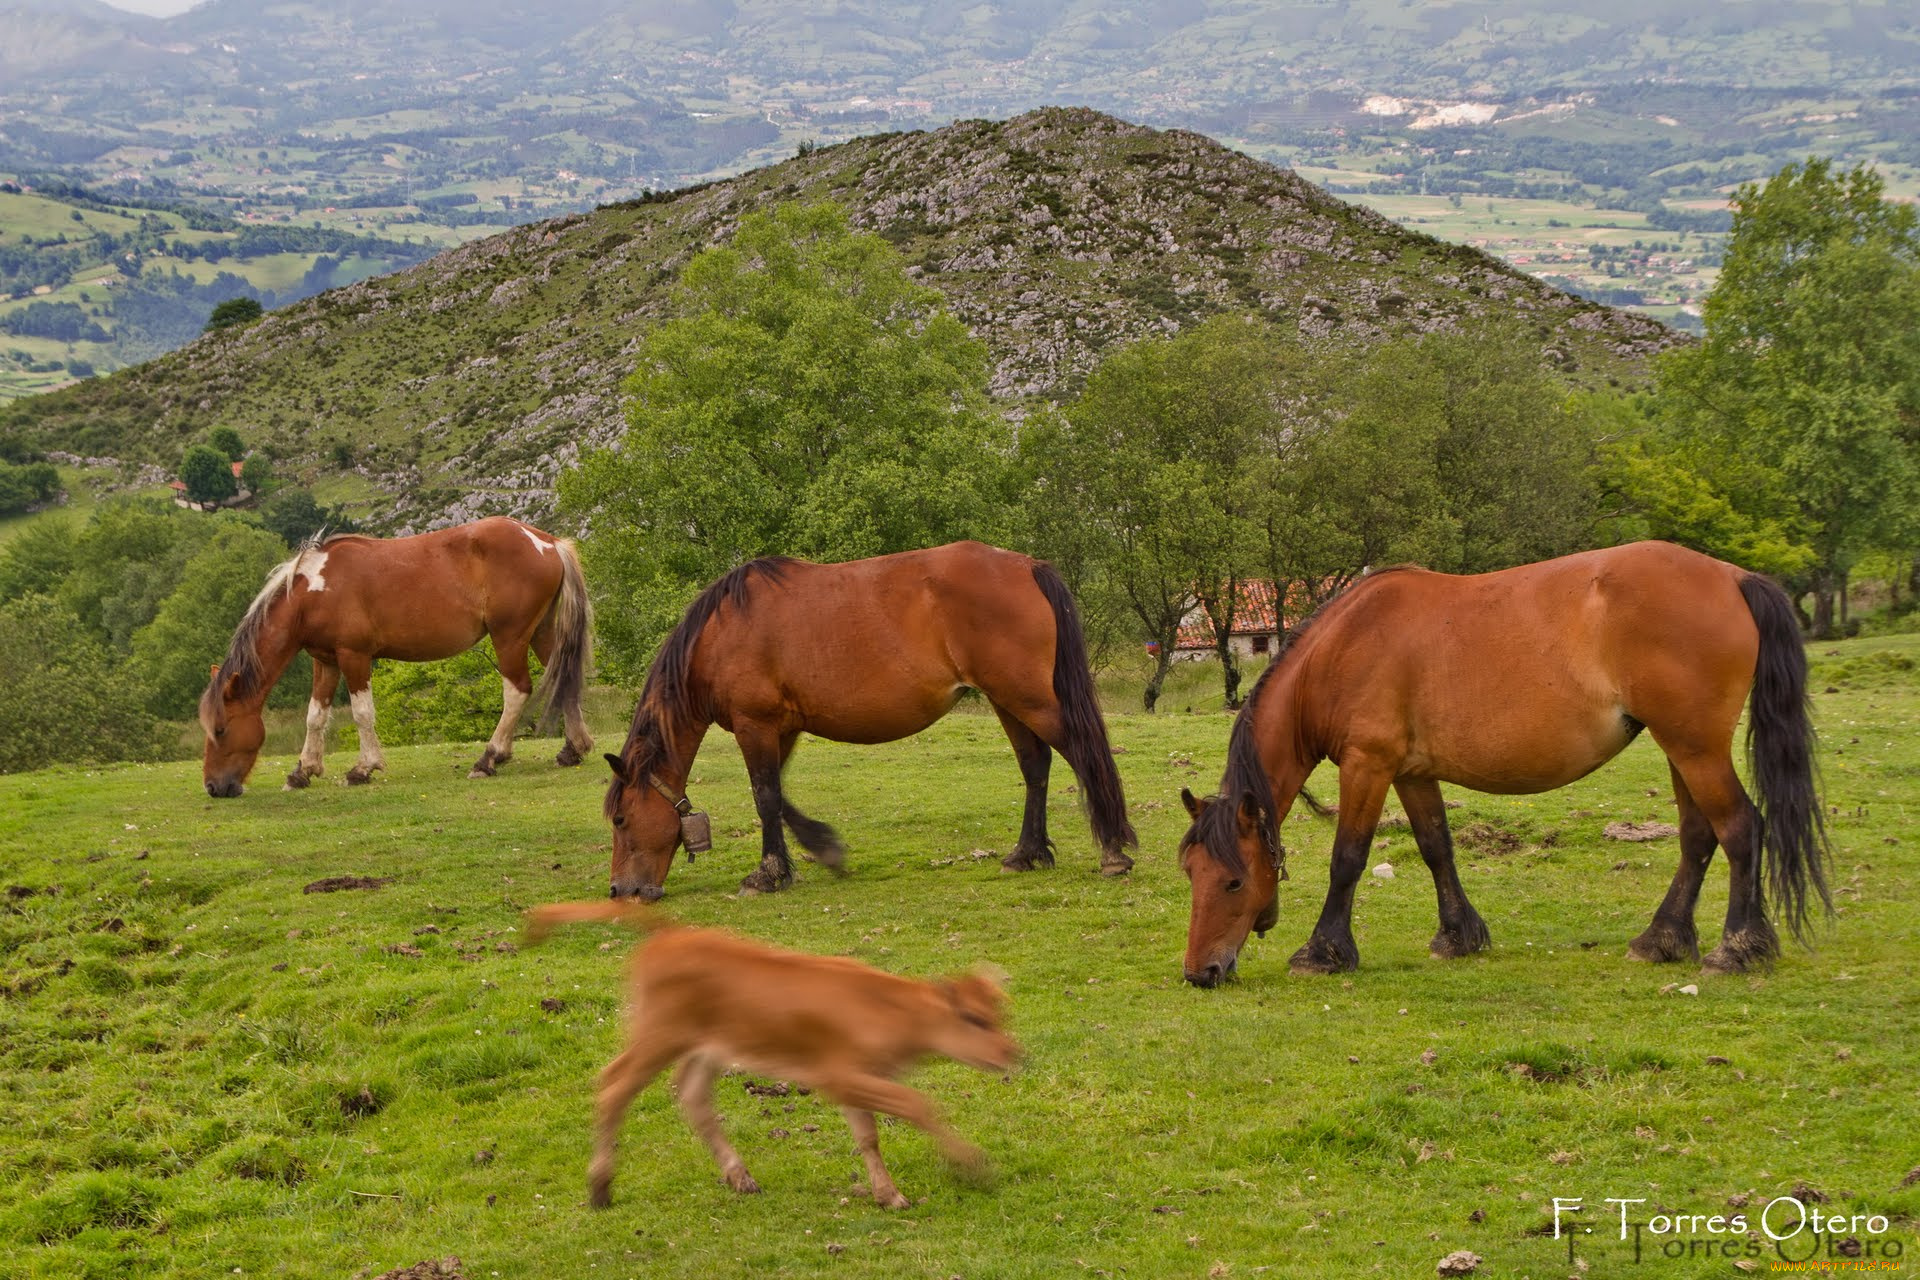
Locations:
(347, 600)
(867, 651)
(1514, 683)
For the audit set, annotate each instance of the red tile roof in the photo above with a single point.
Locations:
(1253, 614)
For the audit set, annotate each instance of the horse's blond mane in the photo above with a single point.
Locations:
(242, 663)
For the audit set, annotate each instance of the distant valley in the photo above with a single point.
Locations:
(1591, 143)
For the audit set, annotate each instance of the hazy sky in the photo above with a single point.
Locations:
(154, 8)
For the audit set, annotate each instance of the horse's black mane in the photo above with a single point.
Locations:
(666, 699)
(1217, 828)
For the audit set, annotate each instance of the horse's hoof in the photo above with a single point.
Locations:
(892, 1200)
(568, 757)
(1315, 958)
(297, 780)
(359, 777)
(1739, 952)
(1451, 944)
(478, 772)
(764, 881)
(1663, 946)
(1115, 864)
(743, 1183)
(1022, 859)
(600, 1195)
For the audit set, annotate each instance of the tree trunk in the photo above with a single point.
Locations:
(1163, 661)
(1823, 605)
(1229, 669)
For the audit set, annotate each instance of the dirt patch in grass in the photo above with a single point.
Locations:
(334, 884)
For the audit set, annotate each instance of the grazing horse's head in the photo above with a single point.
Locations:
(235, 731)
(647, 830)
(1235, 874)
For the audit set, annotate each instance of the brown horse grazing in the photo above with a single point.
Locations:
(348, 600)
(1518, 682)
(868, 651)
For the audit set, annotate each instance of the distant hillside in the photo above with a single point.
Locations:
(463, 385)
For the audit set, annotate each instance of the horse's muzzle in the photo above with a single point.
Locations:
(1213, 974)
(224, 788)
(644, 892)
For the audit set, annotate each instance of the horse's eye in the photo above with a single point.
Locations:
(1234, 886)
(220, 733)
(619, 819)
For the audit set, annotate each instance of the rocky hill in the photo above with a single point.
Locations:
(463, 385)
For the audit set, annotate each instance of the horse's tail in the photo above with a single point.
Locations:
(571, 616)
(1083, 730)
(1780, 743)
(541, 921)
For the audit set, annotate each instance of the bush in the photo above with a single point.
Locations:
(63, 699)
(453, 700)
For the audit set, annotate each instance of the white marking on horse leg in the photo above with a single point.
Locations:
(512, 701)
(537, 540)
(370, 757)
(318, 713)
(311, 567)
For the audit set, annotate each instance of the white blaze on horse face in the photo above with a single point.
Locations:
(537, 540)
(311, 567)
(370, 757)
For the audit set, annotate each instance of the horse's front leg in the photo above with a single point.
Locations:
(1462, 931)
(1331, 948)
(358, 670)
(516, 686)
(326, 679)
(761, 750)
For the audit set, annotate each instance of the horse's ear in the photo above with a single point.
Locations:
(213, 672)
(618, 766)
(1193, 805)
(1249, 815)
(232, 690)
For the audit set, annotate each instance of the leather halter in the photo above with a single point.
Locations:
(681, 805)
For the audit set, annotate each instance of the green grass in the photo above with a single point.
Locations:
(203, 1069)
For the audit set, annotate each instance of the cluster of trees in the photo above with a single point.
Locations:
(809, 398)
(25, 485)
(107, 625)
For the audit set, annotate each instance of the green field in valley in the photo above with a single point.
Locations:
(205, 1070)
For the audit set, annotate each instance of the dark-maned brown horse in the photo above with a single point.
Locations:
(349, 599)
(868, 651)
(1518, 682)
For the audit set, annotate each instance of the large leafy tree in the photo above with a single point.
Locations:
(1152, 461)
(1806, 392)
(808, 398)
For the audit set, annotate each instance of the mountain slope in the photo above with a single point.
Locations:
(463, 385)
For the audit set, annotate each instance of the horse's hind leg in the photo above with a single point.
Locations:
(358, 670)
(578, 741)
(760, 747)
(693, 1085)
(866, 1137)
(1332, 949)
(1036, 761)
(1748, 938)
(1671, 935)
(1462, 931)
(821, 841)
(326, 679)
(516, 686)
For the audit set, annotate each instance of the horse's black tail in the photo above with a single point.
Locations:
(1780, 742)
(1084, 730)
(571, 616)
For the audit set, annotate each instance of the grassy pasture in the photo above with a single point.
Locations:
(204, 1070)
